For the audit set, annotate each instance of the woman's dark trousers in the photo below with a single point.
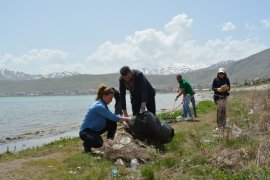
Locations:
(93, 138)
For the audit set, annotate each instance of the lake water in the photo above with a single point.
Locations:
(32, 121)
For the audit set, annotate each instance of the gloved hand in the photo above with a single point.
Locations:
(225, 87)
(176, 98)
(143, 107)
(125, 113)
(221, 89)
(125, 119)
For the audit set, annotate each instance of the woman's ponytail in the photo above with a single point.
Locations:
(103, 90)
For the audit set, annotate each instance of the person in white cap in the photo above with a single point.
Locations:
(221, 87)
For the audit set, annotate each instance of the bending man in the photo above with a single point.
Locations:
(142, 94)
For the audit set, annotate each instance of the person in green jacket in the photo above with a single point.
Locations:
(186, 90)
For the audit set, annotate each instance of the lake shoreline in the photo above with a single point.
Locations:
(36, 139)
(19, 140)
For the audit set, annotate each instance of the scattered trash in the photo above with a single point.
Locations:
(117, 146)
(236, 131)
(97, 158)
(130, 149)
(119, 162)
(207, 141)
(99, 152)
(125, 140)
(250, 111)
(72, 172)
(114, 172)
(134, 164)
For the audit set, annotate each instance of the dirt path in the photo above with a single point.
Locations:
(10, 169)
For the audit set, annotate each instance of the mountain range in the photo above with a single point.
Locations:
(176, 69)
(6, 74)
(252, 67)
(256, 66)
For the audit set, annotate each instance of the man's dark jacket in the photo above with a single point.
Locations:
(142, 90)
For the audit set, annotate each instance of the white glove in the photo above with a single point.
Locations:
(142, 107)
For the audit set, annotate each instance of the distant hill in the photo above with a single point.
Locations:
(252, 67)
(70, 83)
(6, 74)
(255, 66)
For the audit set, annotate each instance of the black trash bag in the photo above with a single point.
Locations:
(146, 127)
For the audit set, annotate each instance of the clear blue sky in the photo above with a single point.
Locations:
(97, 37)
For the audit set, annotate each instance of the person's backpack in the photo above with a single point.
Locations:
(146, 127)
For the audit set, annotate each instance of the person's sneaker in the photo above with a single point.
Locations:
(189, 119)
(179, 118)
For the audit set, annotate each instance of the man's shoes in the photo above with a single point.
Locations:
(189, 119)
(88, 150)
(179, 118)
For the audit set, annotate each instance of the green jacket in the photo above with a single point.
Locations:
(185, 87)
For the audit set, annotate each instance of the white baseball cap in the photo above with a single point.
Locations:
(221, 70)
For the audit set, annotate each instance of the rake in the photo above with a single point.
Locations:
(169, 116)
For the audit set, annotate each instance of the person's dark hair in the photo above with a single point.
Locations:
(179, 76)
(103, 90)
(124, 70)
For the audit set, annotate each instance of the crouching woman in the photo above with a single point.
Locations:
(99, 119)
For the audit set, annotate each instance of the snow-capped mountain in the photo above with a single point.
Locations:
(177, 69)
(6, 74)
(60, 74)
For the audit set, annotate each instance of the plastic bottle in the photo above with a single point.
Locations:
(134, 164)
(114, 172)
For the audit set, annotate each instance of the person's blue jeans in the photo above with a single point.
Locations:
(193, 102)
(186, 109)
